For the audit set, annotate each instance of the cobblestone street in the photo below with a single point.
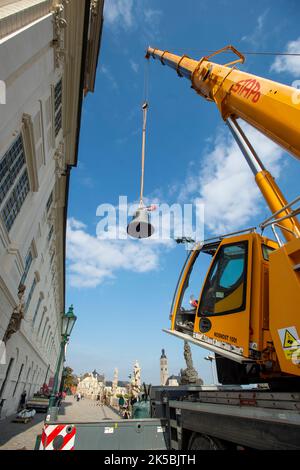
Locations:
(85, 411)
(14, 436)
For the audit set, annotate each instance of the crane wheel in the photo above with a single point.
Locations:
(204, 442)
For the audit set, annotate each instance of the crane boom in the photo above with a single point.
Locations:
(271, 107)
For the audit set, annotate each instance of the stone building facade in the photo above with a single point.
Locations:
(91, 386)
(48, 58)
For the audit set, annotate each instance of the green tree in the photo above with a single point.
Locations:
(70, 379)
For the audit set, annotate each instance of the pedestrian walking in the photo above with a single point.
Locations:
(78, 396)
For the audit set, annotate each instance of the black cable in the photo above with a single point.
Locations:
(254, 53)
(272, 53)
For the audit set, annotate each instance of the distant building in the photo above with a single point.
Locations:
(173, 381)
(164, 373)
(91, 386)
(100, 377)
(121, 384)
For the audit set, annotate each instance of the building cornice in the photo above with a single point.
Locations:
(13, 18)
(13, 249)
(75, 39)
(94, 42)
(6, 291)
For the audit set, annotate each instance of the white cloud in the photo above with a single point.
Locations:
(289, 64)
(226, 185)
(256, 37)
(130, 15)
(94, 259)
(91, 261)
(86, 181)
(119, 13)
(152, 19)
(77, 225)
(134, 66)
(152, 16)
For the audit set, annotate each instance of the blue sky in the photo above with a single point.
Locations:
(122, 291)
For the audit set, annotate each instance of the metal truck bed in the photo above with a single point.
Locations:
(256, 419)
(127, 434)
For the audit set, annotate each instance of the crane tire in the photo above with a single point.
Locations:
(204, 442)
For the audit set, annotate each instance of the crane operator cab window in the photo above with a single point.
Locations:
(188, 291)
(225, 288)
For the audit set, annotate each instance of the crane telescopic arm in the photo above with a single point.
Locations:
(270, 107)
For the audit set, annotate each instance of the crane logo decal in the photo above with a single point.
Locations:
(249, 88)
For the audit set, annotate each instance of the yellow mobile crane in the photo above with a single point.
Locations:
(248, 311)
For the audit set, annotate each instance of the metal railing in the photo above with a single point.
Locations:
(274, 222)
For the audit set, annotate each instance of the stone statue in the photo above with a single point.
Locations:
(17, 315)
(136, 380)
(189, 375)
(115, 382)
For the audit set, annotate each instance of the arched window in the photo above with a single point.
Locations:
(42, 319)
(7, 376)
(49, 342)
(37, 308)
(33, 285)
(47, 320)
(27, 384)
(18, 380)
(47, 336)
(14, 179)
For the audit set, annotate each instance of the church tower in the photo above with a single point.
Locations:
(164, 374)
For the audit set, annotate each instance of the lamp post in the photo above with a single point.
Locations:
(68, 322)
(211, 359)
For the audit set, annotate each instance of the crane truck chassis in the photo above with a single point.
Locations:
(191, 418)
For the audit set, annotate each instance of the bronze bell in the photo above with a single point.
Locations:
(140, 226)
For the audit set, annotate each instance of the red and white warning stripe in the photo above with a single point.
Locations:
(53, 431)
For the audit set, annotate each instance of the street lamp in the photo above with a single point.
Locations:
(68, 322)
(211, 359)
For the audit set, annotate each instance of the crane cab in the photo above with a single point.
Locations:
(225, 308)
